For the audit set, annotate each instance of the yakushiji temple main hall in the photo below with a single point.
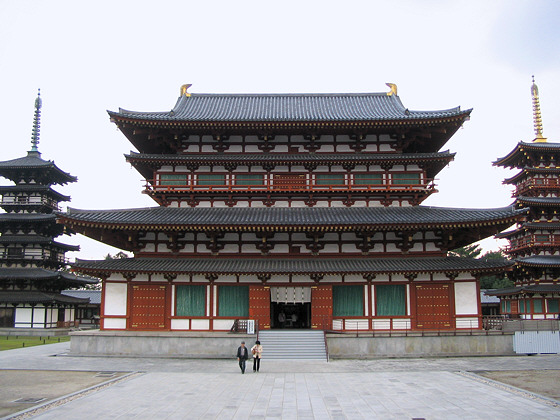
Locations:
(295, 210)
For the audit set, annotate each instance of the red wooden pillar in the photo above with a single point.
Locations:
(321, 307)
(259, 305)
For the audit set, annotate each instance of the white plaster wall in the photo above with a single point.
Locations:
(39, 316)
(180, 324)
(141, 277)
(466, 302)
(114, 323)
(381, 324)
(223, 324)
(23, 317)
(401, 324)
(115, 299)
(200, 324)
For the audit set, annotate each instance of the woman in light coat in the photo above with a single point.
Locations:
(257, 354)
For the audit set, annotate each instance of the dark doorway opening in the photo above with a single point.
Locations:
(291, 315)
(7, 317)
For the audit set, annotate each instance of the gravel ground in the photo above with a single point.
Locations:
(542, 382)
(41, 384)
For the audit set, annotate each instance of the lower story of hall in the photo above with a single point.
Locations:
(370, 306)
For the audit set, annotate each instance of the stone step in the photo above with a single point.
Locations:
(293, 344)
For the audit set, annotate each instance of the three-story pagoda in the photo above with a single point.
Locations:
(306, 205)
(31, 259)
(534, 243)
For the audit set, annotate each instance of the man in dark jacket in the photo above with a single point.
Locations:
(242, 356)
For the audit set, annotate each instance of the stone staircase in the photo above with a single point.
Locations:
(293, 344)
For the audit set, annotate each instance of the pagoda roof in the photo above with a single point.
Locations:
(516, 158)
(535, 288)
(36, 239)
(27, 217)
(530, 226)
(33, 162)
(530, 171)
(441, 158)
(538, 201)
(34, 188)
(33, 296)
(290, 266)
(539, 261)
(172, 218)
(32, 273)
(286, 107)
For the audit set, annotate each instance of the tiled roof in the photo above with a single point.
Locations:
(33, 161)
(94, 296)
(288, 158)
(539, 201)
(38, 297)
(539, 261)
(486, 298)
(34, 188)
(28, 217)
(289, 107)
(516, 156)
(536, 288)
(290, 266)
(277, 216)
(30, 273)
(36, 239)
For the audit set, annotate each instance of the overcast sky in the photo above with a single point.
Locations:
(88, 58)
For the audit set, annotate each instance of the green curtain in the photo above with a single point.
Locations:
(537, 306)
(348, 300)
(406, 179)
(390, 300)
(173, 179)
(233, 301)
(368, 179)
(191, 300)
(211, 179)
(552, 305)
(249, 179)
(329, 179)
(522, 306)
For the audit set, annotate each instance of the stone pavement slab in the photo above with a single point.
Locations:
(342, 389)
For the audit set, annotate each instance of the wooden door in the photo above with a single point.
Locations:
(148, 310)
(321, 307)
(259, 306)
(290, 182)
(433, 307)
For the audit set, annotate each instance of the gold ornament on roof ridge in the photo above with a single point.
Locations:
(185, 88)
(393, 90)
(537, 118)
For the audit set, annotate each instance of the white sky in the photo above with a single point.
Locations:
(88, 58)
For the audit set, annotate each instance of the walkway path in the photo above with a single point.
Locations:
(349, 389)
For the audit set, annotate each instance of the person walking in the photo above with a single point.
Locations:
(242, 356)
(257, 354)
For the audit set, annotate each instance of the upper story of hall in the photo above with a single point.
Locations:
(284, 149)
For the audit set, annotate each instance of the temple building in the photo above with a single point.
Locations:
(31, 261)
(295, 210)
(534, 245)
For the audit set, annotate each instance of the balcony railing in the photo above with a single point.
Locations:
(524, 243)
(538, 184)
(23, 257)
(152, 186)
(29, 201)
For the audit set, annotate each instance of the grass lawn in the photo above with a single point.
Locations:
(8, 342)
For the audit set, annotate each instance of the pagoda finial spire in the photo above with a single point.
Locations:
(537, 119)
(36, 124)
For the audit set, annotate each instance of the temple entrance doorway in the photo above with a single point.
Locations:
(290, 307)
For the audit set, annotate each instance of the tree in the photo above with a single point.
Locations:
(469, 251)
(117, 256)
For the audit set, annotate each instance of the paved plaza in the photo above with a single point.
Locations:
(347, 389)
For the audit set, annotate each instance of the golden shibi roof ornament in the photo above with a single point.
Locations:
(185, 88)
(537, 119)
(393, 88)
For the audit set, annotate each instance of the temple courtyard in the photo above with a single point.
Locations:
(147, 388)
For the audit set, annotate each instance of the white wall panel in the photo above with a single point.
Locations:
(466, 299)
(115, 299)
(114, 323)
